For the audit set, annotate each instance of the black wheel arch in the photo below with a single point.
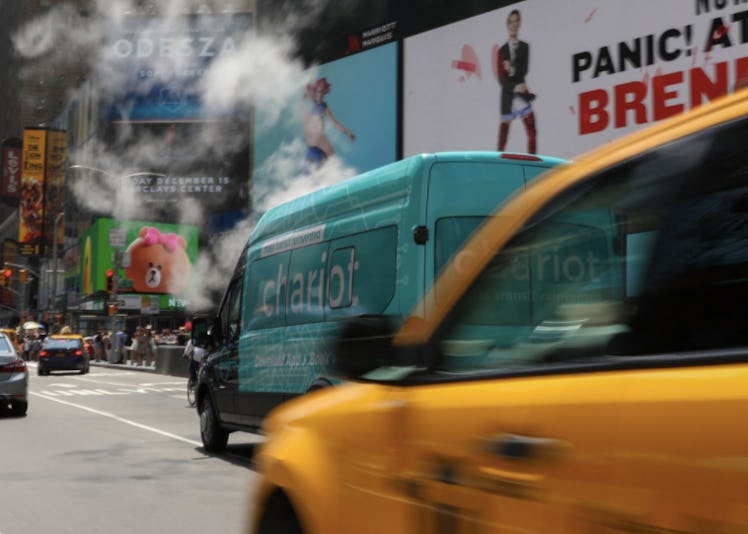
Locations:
(320, 382)
(279, 515)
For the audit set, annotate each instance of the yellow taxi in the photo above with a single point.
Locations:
(580, 366)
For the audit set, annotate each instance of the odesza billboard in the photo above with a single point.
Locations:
(154, 65)
(182, 153)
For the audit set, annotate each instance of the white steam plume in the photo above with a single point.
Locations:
(261, 70)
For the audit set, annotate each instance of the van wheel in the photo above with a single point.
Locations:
(320, 383)
(213, 436)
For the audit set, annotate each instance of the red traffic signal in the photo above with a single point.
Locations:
(110, 280)
(8, 273)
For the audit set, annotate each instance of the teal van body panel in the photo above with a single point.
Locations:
(351, 249)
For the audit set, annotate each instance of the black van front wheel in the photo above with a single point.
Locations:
(320, 383)
(213, 436)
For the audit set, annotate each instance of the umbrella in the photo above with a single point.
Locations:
(32, 325)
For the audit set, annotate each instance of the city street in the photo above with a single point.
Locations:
(117, 451)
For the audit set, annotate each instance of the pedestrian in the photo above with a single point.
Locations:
(27, 347)
(149, 347)
(182, 336)
(120, 346)
(99, 346)
(137, 346)
(36, 346)
(108, 344)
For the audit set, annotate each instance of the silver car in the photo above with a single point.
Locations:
(14, 379)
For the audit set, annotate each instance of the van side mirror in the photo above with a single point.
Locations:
(199, 333)
(364, 344)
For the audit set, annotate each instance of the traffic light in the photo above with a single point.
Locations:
(5, 277)
(23, 275)
(110, 280)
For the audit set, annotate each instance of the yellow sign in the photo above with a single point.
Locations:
(42, 189)
(31, 209)
(54, 195)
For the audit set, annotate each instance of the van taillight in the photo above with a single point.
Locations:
(523, 157)
(18, 366)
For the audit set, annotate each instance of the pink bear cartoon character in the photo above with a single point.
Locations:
(157, 263)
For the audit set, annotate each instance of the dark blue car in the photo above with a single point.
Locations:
(63, 353)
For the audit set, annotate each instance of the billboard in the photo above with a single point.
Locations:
(42, 189)
(151, 67)
(33, 174)
(346, 108)
(202, 163)
(186, 154)
(54, 190)
(11, 168)
(584, 72)
(147, 258)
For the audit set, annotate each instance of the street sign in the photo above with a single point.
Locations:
(117, 237)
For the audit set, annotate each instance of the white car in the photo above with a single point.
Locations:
(14, 379)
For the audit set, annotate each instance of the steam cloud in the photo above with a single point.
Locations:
(262, 70)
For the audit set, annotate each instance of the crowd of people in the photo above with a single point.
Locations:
(136, 348)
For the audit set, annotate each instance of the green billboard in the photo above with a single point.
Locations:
(144, 257)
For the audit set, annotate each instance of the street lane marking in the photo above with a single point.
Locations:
(129, 390)
(120, 419)
(125, 384)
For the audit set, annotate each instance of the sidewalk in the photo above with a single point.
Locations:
(169, 361)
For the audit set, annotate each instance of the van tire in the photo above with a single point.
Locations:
(320, 383)
(214, 437)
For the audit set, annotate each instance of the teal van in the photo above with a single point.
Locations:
(370, 245)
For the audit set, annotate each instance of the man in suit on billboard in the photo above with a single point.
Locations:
(516, 100)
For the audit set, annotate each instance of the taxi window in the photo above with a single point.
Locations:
(648, 252)
(696, 295)
(450, 234)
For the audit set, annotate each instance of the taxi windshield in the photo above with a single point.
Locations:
(568, 286)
